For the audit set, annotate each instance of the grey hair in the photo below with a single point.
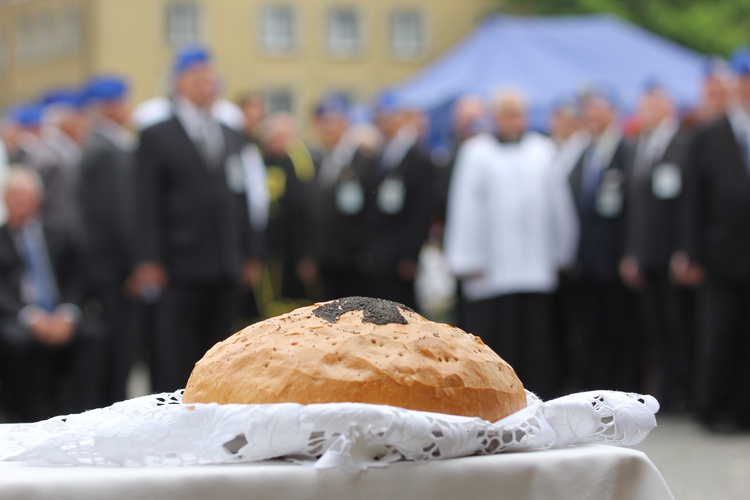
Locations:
(509, 96)
(23, 176)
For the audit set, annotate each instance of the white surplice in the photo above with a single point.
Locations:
(511, 221)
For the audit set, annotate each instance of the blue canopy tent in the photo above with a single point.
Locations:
(550, 58)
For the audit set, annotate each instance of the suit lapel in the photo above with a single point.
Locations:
(734, 157)
(575, 180)
(185, 141)
(9, 252)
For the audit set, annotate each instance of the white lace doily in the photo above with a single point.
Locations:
(160, 430)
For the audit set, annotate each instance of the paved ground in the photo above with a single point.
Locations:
(699, 465)
(696, 464)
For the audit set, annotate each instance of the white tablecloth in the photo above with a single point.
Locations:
(596, 472)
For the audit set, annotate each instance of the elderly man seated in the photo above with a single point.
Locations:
(50, 353)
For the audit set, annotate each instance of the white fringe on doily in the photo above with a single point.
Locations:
(160, 430)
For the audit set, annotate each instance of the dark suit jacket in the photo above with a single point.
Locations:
(393, 238)
(188, 217)
(651, 221)
(337, 237)
(601, 242)
(715, 221)
(64, 253)
(108, 202)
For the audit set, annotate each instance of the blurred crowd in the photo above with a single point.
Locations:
(609, 252)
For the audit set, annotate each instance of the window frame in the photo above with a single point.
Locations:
(272, 93)
(359, 45)
(423, 46)
(176, 33)
(269, 43)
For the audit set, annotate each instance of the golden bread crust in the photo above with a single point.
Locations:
(302, 358)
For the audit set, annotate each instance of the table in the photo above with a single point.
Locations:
(595, 472)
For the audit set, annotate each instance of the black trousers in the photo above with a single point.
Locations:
(190, 319)
(611, 350)
(41, 381)
(519, 328)
(723, 351)
(665, 334)
(122, 339)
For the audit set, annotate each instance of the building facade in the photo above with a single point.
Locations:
(290, 51)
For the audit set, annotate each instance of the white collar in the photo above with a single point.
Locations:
(191, 116)
(116, 133)
(605, 145)
(395, 150)
(740, 122)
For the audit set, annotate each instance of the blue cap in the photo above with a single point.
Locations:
(388, 102)
(189, 56)
(106, 89)
(740, 61)
(26, 115)
(71, 98)
(333, 103)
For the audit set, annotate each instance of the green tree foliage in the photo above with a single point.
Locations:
(707, 26)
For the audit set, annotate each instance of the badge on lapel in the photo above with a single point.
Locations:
(235, 173)
(350, 197)
(391, 195)
(611, 196)
(666, 181)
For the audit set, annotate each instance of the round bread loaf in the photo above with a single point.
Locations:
(358, 350)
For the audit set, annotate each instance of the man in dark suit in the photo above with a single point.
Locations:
(290, 171)
(654, 184)
(337, 201)
(715, 251)
(107, 198)
(53, 358)
(65, 128)
(402, 202)
(598, 185)
(194, 241)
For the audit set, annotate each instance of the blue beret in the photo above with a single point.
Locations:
(332, 104)
(106, 88)
(26, 115)
(71, 98)
(190, 56)
(740, 60)
(388, 102)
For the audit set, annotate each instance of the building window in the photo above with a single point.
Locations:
(344, 32)
(27, 48)
(278, 101)
(49, 41)
(278, 30)
(183, 23)
(70, 31)
(408, 34)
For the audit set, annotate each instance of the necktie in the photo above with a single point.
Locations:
(38, 267)
(591, 173)
(207, 141)
(644, 154)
